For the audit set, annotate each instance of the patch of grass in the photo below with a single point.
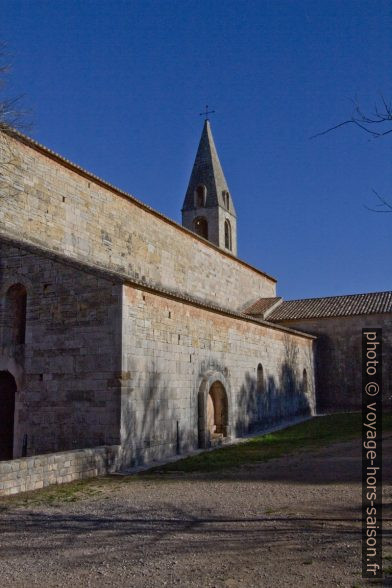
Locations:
(315, 433)
(58, 494)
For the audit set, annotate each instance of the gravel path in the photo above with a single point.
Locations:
(289, 522)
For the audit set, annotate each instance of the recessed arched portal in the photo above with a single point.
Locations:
(213, 412)
(217, 413)
(7, 414)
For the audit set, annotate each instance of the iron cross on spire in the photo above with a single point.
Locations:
(207, 112)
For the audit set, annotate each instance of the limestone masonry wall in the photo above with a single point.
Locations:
(104, 363)
(172, 351)
(68, 370)
(31, 473)
(52, 205)
(338, 358)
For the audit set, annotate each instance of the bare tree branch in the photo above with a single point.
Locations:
(384, 204)
(382, 116)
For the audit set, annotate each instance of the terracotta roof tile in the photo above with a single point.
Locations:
(353, 304)
(261, 306)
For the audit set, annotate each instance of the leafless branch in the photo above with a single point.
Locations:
(384, 205)
(382, 115)
(377, 124)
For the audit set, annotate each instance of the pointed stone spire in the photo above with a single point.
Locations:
(208, 208)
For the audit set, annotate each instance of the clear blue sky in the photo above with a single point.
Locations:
(117, 87)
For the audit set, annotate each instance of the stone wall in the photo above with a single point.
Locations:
(107, 363)
(338, 359)
(174, 352)
(52, 204)
(31, 473)
(68, 370)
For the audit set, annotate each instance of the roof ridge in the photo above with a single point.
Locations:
(338, 296)
(364, 303)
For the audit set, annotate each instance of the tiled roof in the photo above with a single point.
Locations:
(261, 306)
(354, 304)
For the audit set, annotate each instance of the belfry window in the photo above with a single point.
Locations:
(15, 315)
(226, 200)
(200, 196)
(227, 235)
(201, 227)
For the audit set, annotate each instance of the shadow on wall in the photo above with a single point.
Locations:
(153, 422)
(266, 402)
(158, 422)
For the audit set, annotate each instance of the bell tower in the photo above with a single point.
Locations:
(208, 208)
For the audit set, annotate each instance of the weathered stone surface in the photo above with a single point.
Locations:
(170, 359)
(62, 400)
(339, 356)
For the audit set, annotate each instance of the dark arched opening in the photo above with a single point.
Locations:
(200, 196)
(305, 384)
(15, 315)
(227, 235)
(260, 378)
(7, 415)
(225, 196)
(201, 227)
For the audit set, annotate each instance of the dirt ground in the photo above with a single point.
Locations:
(293, 521)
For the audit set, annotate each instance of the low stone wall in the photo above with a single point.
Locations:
(31, 473)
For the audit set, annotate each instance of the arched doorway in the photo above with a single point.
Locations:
(213, 410)
(217, 411)
(7, 412)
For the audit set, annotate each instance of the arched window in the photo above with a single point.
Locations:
(200, 196)
(226, 200)
(227, 235)
(15, 315)
(201, 227)
(260, 378)
(305, 381)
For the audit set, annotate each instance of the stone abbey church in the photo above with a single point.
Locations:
(124, 334)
